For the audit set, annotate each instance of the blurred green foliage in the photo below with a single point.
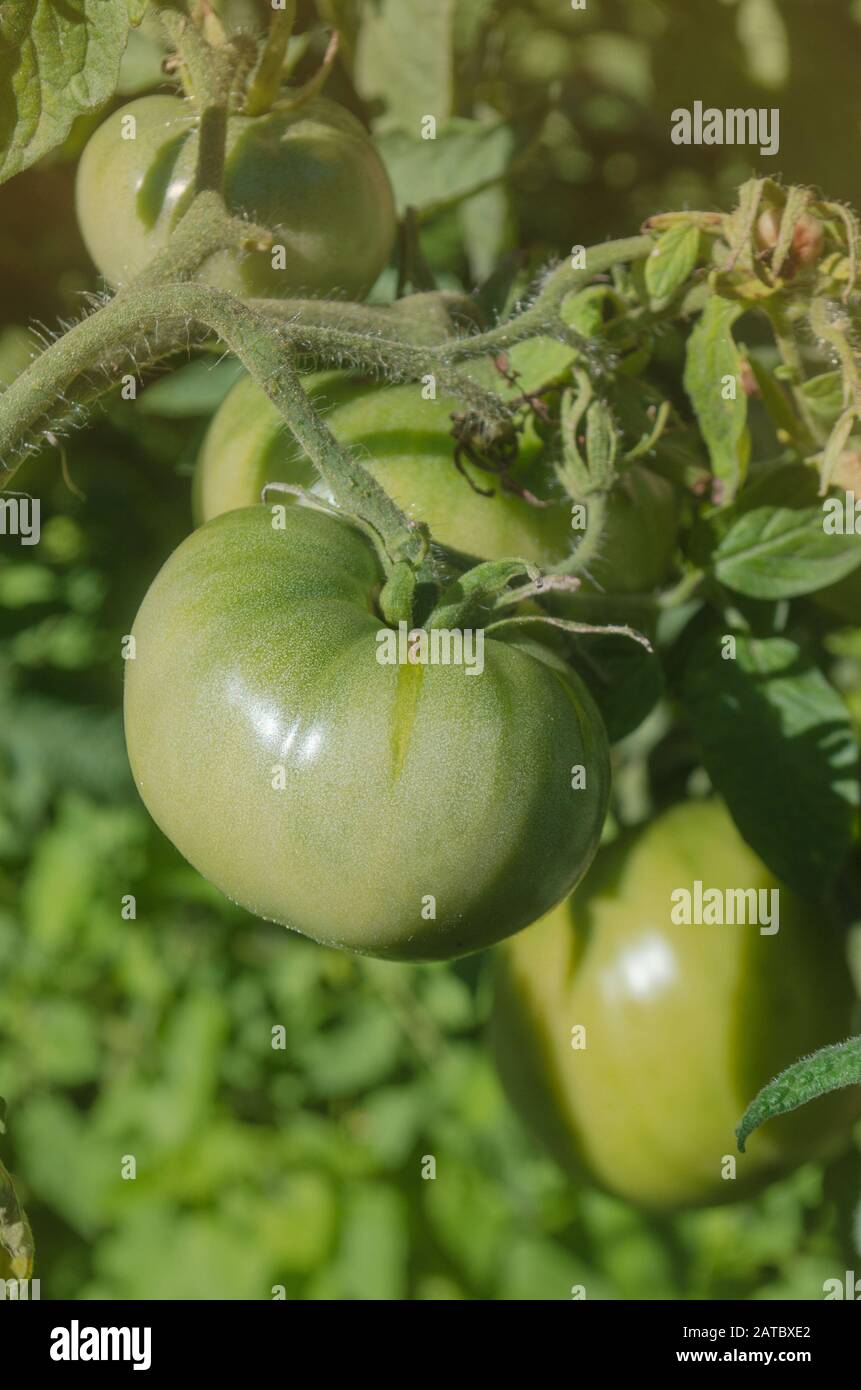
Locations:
(151, 1038)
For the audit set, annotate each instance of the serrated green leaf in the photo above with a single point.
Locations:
(431, 174)
(713, 359)
(585, 310)
(405, 57)
(58, 60)
(829, 1069)
(488, 231)
(825, 396)
(774, 398)
(625, 680)
(776, 740)
(778, 552)
(671, 261)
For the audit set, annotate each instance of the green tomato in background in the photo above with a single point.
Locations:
(639, 538)
(407, 811)
(406, 442)
(683, 1024)
(310, 176)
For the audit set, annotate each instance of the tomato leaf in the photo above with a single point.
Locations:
(58, 60)
(405, 56)
(774, 398)
(625, 681)
(824, 396)
(672, 260)
(777, 742)
(713, 362)
(829, 1069)
(780, 552)
(431, 174)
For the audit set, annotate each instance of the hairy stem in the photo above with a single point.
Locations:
(790, 356)
(543, 315)
(174, 313)
(209, 70)
(266, 82)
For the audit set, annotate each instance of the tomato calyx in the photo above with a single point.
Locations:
(486, 592)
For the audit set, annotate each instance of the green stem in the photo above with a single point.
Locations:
(423, 319)
(270, 361)
(205, 228)
(179, 311)
(375, 354)
(543, 316)
(682, 591)
(266, 82)
(790, 356)
(588, 548)
(832, 333)
(82, 366)
(210, 70)
(211, 147)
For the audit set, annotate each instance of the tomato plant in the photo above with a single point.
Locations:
(517, 508)
(678, 1020)
(408, 444)
(412, 811)
(309, 178)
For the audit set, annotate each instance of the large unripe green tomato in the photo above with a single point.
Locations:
(406, 442)
(311, 177)
(408, 811)
(683, 1024)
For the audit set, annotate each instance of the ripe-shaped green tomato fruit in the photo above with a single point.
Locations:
(683, 1024)
(311, 177)
(402, 810)
(406, 442)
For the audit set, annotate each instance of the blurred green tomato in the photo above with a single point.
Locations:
(406, 443)
(639, 538)
(311, 177)
(683, 1024)
(413, 811)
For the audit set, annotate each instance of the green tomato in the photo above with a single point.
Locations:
(406, 443)
(311, 177)
(408, 811)
(639, 538)
(683, 1024)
